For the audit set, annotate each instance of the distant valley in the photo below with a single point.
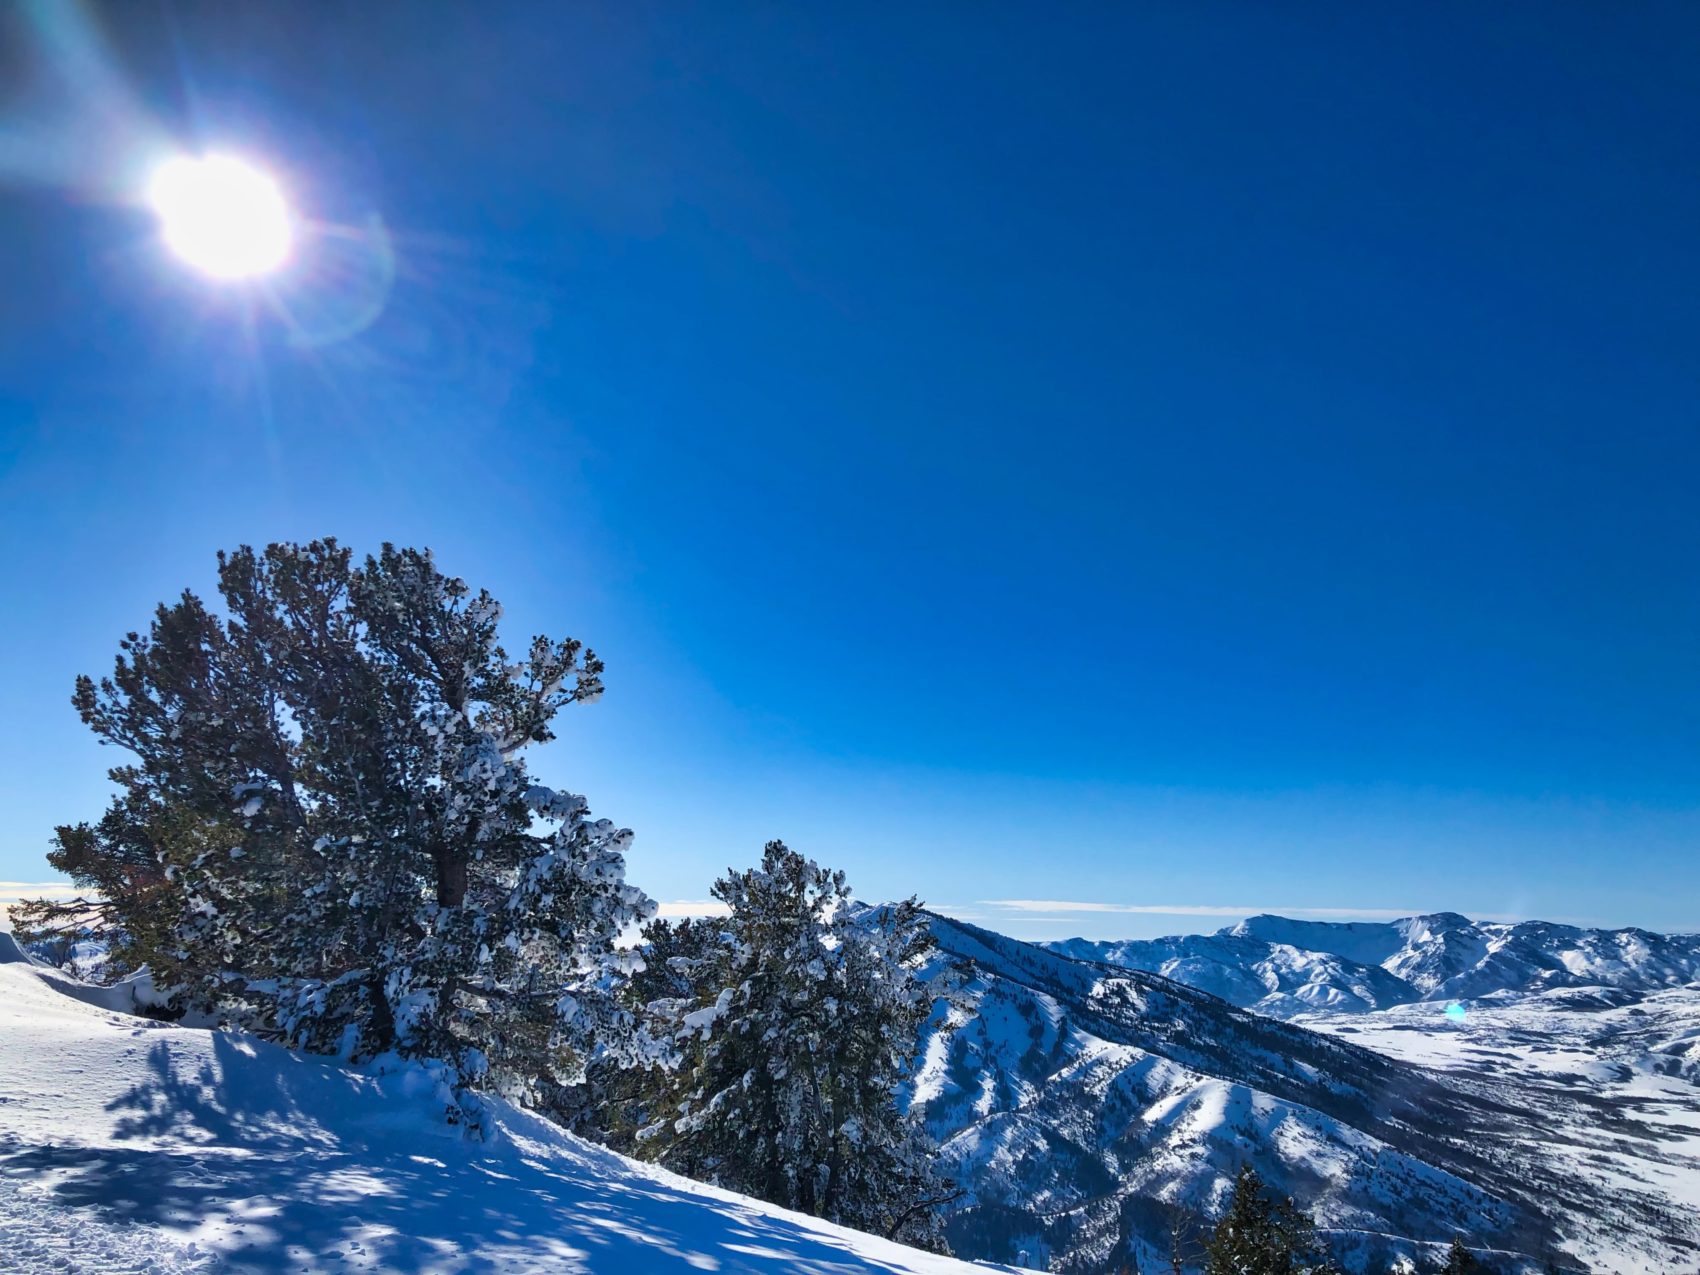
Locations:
(1096, 1098)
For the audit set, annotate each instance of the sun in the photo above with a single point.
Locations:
(221, 215)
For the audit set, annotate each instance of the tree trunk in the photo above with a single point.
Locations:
(383, 1018)
(451, 877)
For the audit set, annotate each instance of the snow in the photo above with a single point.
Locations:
(1285, 968)
(702, 1020)
(930, 1073)
(132, 1145)
(1625, 1061)
(1077, 1095)
(1070, 1089)
(1075, 1098)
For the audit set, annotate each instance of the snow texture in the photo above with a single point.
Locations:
(130, 1145)
(1283, 967)
(1083, 1104)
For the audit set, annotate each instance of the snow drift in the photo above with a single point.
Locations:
(132, 1145)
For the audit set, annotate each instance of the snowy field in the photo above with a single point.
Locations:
(128, 1145)
(1612, 1083)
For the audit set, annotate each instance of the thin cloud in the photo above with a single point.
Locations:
(17, 891)
(1025, 906)
(693, 907)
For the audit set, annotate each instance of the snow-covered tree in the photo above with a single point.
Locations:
(328, 828)
(124, 908)
(1460, 1261)
(797, 1026)
(618, 1099)
(1259, 1234)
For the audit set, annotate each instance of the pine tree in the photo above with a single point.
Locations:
(329, 832)
(1261, 1235)
(618, 1100)
(117, 862)
(1460, 1261)
(797, 1031)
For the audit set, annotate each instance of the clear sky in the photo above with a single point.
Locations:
(1178, 458)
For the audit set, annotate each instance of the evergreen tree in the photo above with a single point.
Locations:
(1460, 1261)
(328, 829)
(117, 861)
(796, 1028)
(1261, 1235)
(617, 1100)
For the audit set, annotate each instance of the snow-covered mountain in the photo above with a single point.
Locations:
(1600, 1038)
(1089, 1108)
(1285, 967)
(1085, 1107)
(127, 1145)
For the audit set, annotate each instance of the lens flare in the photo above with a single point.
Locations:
(221, 215)
(1456, 1012)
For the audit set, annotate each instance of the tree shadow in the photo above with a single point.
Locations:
(185, 1101)
(299, 1165)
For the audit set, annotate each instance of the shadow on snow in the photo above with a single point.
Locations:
(298, 1165)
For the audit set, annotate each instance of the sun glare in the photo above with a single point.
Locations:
(221, 215)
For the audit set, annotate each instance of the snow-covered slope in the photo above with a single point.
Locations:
(1284, 967)
(1088, 1107)
(1085, 1107)
(1272, 978)
(129, 1145)
(1624, 1063)
(1599, 1036)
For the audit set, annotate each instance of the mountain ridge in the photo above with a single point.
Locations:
(1284, 967)
(1090, 1107)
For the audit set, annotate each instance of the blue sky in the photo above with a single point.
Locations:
(1188, 458)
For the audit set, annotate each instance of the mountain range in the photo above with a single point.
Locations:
(1094, 1111)
(1093, 1114)
(1282, 967)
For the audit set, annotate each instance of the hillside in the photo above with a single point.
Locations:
(127, 1145)
(1090, 1108)
(1086, 1108)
